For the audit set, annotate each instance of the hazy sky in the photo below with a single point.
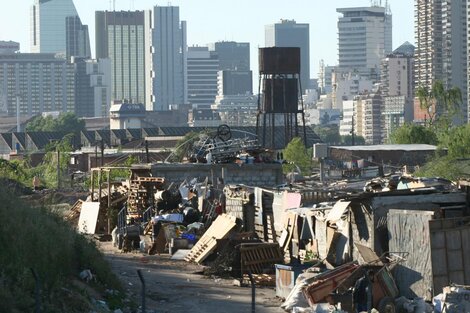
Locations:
(237, 20)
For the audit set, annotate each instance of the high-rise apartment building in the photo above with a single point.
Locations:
(364, 39)
(169, 59)
(288, 33)
(441, 33)
(40, 81)
(92, 87)
(397, 74)
(368, 120)
(56, 28)
(203, 66)
(124, 37)
(397, 87)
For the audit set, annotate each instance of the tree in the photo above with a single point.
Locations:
(297, 155)
(347, 140)
(328, 133)
(411, 133)
(66, 122)
(439, 102)
(457, 141)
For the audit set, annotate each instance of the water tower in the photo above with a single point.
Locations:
(280, 101)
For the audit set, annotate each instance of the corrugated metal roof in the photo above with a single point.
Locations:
(402, 147)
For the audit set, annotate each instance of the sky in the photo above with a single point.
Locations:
(230, 20)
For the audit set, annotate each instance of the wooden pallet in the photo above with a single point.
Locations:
(160, 180)
(219, 229)
(260, 279)
(259, 258)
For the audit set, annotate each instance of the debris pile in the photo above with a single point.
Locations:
(321, 247)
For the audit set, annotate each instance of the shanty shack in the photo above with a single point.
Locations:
(414, 224)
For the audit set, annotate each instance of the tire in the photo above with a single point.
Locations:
(387, 305)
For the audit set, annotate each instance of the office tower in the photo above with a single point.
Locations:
(203, 66)
(7, 47)
(235, 77)
(169, 59)
(51, 32)
(441, 45)
(364, 39)
(92, 87)
(124, 37)
(232, 55)
(41, 81)
(288, 33)
(77, 39)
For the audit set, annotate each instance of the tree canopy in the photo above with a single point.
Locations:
(66, 122)
(439, 102)
(297, 155)
(411, 133)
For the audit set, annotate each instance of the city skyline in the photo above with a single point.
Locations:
(203, 30)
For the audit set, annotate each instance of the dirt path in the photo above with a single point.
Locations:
(175, 286)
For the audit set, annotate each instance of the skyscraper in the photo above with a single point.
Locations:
(77, 38)
(124, 37)
(441, 33)
(203, 66)
(235, 77)
(364, 39)
(288, 33)
(169, 58)
(51, 32)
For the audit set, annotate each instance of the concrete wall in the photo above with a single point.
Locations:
(260, 174)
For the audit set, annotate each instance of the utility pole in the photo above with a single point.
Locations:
(147, 151)
(102, 152)
(352, 130)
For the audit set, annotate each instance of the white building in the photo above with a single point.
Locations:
(368, 120)
(346, 123)
(348, 85)
(364, 39)
(125, 115)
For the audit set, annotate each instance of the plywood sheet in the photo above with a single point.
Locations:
(88, 217)
(409, 232)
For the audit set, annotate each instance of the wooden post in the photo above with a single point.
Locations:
(92, 184)
(109, 202)
(99, 186)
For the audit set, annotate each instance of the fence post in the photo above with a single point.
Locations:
(143, 290)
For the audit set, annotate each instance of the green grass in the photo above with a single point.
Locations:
(34, 238)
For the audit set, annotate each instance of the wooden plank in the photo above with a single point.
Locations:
(219, 229)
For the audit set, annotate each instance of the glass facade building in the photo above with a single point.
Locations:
(124, 38)
(49, 26)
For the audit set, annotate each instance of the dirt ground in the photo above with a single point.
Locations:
(178, 286)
